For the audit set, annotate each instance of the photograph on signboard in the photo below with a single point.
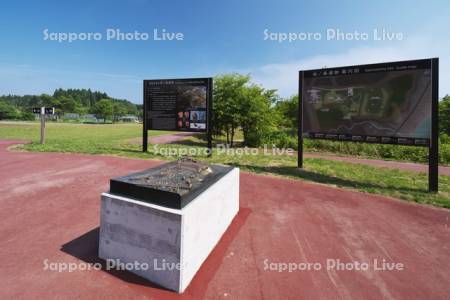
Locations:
(192, 97)
(198, 119)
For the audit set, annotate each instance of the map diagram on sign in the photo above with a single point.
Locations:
(392, 104)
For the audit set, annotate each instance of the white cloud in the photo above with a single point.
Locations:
(284, 76)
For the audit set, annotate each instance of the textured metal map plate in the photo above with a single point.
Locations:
(173, 185)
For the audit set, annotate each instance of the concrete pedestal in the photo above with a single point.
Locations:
(172, 243)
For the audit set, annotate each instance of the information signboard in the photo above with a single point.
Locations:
(178, 105)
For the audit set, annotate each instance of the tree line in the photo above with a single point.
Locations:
(77, 101)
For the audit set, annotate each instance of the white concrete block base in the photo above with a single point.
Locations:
(167, 246)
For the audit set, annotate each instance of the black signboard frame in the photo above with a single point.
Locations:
(432, 143)
(209, 100)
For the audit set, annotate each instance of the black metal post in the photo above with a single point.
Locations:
(144, 123)
(300, 122)
(209, 115)
(433, 152)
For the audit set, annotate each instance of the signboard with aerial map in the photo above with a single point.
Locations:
(387, 103)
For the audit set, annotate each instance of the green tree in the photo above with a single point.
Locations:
(119, 110)
(27, 116)
(228, 92)
(444, 115)
(7, 111)
(256, 117)
(288, 112)
(46, 100)
(104, 109)
(64, 104)
(140, 111)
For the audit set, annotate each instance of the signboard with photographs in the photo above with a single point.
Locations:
(177, 104)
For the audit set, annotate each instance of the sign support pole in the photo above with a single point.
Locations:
(433, 152)
(144, 125)
(300, 122)
(209, 116)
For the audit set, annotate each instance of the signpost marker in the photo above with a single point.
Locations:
(42, 111)
(42, 115)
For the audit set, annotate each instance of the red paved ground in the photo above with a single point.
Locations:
(50, 208)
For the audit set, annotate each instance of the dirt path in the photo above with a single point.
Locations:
(409, 166)
(165, 139)
(50, 211)
(171, 138)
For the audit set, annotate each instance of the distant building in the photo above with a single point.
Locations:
(72, 116)
(91, 118)
(129, 119)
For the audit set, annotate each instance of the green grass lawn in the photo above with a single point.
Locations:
(124, 140)
(79, 138)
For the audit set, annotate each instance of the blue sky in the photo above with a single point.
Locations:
(219, 37)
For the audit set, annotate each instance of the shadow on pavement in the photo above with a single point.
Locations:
(85, 248)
